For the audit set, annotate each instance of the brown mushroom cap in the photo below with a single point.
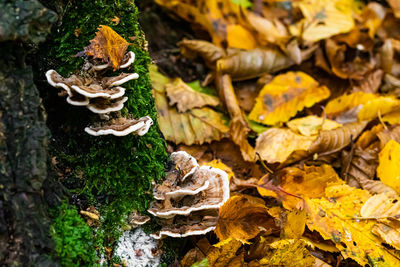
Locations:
(206, 188)
(135, 219)
(103, 106)
(121, 127)
(118, 80)
(199, 223)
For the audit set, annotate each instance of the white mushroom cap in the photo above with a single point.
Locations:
(112, 107)
(119, 127)
(128, 60)
(90, 92)
(120, 79)
(211, 196)
(186, 164)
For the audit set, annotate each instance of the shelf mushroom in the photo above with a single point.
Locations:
(102, 95)
(190, 194)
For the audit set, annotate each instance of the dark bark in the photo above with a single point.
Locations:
(24, 222)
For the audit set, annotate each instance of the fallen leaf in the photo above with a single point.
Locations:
(221, 254)
(247, 64)
(389, 133)
(196, 126)
(216, 163)
(395, 5)
(389, 232)
(389, 168)
(287, 252)
(334, 140)
(116, 20)
(208, 51)
(285, 95)
(310, 182)
(235, 34)
(186, 98)
(324, 18)
(107, 46)
(238, 127)
(294, 224)
(277, 144)
(333, 217)
(312, 125)
(242, 217)
(346, 102)
(384, 205)
(378, 106)
(392, 117)
(370, 84)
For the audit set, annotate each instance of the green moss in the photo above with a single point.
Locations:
(73, 238)
(117, 171)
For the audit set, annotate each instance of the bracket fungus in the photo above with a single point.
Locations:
(102, 95)
(187, 202)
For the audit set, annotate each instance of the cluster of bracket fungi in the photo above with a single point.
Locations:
(187, 202)
(102, 95)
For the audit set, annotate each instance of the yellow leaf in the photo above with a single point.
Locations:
(395, 5)
(389, 232)
(242, 217)
(346, 102)
(277, 144)
(392, 117)
(310, 182)
(333, 217)
(108, 46)
(235, 34)
(216, 163)
(221, 254)
(288, 252)
(389, 165)
(325, 18)
(378, 106)
(196, 126)
(382, 205)
(186, 98)
(312, 125)
(294, 224)
(285, 95)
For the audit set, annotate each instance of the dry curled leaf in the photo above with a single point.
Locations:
(242, 217)
(239, 127)
(334, 140)
(208, 51)
(108, 46)
(285, 95)
(186, 98)
(247, 64)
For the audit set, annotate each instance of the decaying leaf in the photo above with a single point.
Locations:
(312, 125)
(247, 64)
(370, 84)
(389, 232)
(310, 182)
(334, 140)
(223, 253)
(395, 5)
(381, 206)
(323, 18)
(333, 217)
(347, 102)
(242, 217)
(389, 168)
(208, 51)
(107, 46)
(196, 126)
(239, 127)
(186, 98)
(285, 95)
(277, 144)
(378, 106)
(390, 133)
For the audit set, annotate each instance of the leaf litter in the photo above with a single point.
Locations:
(301, 108)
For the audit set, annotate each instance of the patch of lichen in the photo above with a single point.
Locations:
(117, 171)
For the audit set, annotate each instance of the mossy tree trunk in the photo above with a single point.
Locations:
(113, 174)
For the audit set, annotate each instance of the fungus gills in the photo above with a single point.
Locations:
(187, 202)
(102, 95)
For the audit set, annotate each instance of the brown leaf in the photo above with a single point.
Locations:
(208, 51)
(107, 46)
(370, 84)
(247, 64)
(239, 127)
(242, 217)
(186, 98)
(334, 140)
